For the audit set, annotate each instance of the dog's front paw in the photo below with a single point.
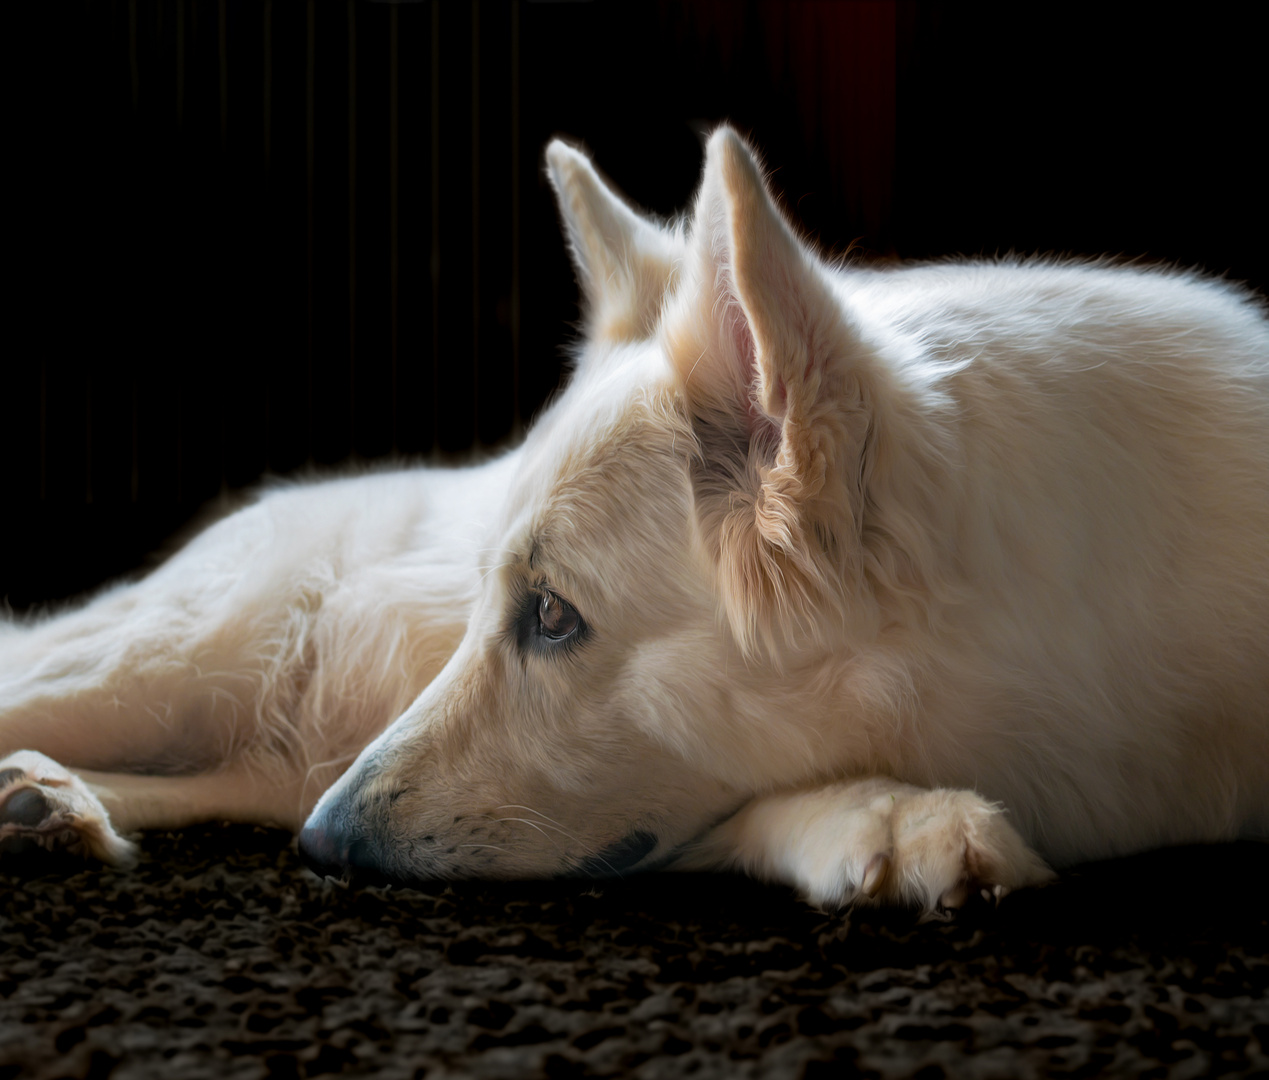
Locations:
(950, 845)
(42, 804)
(880, 841)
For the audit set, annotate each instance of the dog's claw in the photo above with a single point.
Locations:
(875, 874)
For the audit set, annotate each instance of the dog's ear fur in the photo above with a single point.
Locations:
(625, 262)
(778, 384)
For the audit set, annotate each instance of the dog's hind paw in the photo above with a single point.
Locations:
(45, 805)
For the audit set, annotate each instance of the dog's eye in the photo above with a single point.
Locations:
(547, 623)
(557, 618)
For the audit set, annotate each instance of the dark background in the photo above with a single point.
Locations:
(283, 237)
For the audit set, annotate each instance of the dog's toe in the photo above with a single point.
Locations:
(954, 845)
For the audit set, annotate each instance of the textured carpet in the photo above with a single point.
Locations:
(220, 956)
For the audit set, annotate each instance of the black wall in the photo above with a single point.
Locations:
(280, 237)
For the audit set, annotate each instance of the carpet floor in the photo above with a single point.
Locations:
(221, 956)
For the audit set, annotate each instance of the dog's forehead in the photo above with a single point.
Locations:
(618, 411)
(603, 475)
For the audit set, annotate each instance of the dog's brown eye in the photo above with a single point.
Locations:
(557, 618)
(547, 624)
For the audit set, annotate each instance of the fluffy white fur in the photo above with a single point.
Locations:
(892, 584)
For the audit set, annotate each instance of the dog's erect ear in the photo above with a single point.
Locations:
(625, 262)
(778, 382)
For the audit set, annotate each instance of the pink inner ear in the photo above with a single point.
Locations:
(744, 350)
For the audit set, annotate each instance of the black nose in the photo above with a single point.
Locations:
(323, 850)
(331, 846)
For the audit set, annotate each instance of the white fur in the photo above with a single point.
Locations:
(884, 572)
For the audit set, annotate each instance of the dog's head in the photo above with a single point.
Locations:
(683, 545)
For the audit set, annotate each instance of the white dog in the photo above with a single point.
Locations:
(889, 584)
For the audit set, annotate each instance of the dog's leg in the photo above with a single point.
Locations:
(133, 680)
(139, 680)
(876, 840)
(90, 813)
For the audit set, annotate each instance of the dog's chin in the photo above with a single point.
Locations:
(425, 879)
(362, 862)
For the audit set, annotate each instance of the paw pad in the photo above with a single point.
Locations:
(26, 806)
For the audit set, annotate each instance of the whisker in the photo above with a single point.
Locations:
(615, 871)
(560, 828)
(535, 825)
(497, 566)
(545, 821)
(517, 806)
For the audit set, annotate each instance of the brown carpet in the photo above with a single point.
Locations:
(220, 956)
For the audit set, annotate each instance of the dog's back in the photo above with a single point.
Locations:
(1091, 469)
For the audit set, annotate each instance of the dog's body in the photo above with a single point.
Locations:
(805, 566)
